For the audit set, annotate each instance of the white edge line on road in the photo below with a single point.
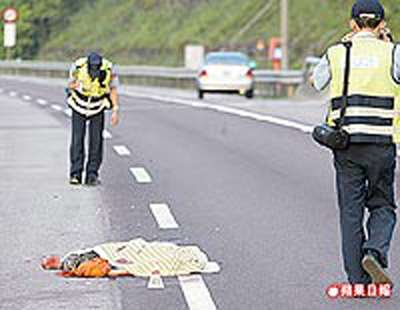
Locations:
(56, 107)
(107, 134)
(141, 175)
(122, 150)
(228, 110)
(41, 101)
(163, 216)
(196, 293)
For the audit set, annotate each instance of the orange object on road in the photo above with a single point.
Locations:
(51, 262)
(93, 268)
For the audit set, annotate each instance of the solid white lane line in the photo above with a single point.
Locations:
(122, 150)
(196, 293)
(68, 112)
(13, 94)
(163, 216)
(228, 110)
(56, 107)
(106, 134)
(27, 98)
(41, 101)
(141, 175)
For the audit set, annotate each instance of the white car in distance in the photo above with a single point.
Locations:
(226, 72)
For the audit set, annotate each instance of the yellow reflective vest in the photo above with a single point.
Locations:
(92, 97)
(371, 115)
(396, 118)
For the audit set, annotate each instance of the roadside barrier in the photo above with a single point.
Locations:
(267, 82)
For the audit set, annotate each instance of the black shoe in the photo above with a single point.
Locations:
(372, 266)
(75, 180)
(92, 180)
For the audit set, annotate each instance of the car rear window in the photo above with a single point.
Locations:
(226, 59)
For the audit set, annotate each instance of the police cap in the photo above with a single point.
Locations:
(94, 64)
(369, 8)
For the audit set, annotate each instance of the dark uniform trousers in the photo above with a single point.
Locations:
(77, 150)
(365, 180)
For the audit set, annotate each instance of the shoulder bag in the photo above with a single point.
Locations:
(335, 137)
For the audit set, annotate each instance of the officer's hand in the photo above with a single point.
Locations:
(114, 118)
(386, 35)
(74, 85)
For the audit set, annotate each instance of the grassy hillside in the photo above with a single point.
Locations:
(155, 31)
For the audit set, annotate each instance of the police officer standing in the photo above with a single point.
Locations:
(92, 89)
(365, 170)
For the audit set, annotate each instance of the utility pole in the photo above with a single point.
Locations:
(285, 34)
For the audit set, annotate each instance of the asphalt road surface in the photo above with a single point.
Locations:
(242, 179)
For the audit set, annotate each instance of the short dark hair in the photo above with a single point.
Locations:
(368, 22)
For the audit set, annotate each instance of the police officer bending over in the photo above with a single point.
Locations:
(365, 170)
(92, 86)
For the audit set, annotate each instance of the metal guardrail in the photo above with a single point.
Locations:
(266, 80)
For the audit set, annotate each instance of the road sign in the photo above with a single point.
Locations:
(10, 15)
(194, 56)
(10, 34)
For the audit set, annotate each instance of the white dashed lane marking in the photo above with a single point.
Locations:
(41, 101)
(196, 293)
(141, 175)
(13, 94)
(27, 98)
(56, 107)
(122, 150)
(106, 134)
(163, 216)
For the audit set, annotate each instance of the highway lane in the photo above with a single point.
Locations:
(257, 197)
(41, 214)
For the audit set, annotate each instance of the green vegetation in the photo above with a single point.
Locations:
(38, 20)
(154, 32)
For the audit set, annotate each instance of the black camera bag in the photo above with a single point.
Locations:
(335, 137)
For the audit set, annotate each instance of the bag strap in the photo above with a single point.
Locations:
(345, 99)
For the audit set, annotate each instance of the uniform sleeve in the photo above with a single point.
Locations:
(396, 64)
(322, 74)
(114, 78)
(72, 73)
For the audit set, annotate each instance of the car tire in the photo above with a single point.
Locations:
(250, 94)
(200, 94)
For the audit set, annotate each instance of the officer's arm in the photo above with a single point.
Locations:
(396, 64)
(73, 83)
(113, 88)
(322, 75)
(114, 99)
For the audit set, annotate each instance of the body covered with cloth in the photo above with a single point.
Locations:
(137, 257)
